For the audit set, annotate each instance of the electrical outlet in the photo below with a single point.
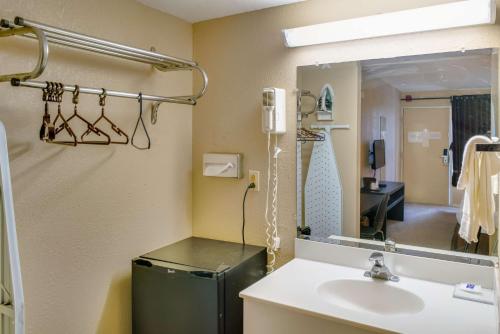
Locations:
(254, 176)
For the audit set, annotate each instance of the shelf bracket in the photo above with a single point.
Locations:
(43, 50)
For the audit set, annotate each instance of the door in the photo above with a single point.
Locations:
(169, 298)
(425, 171)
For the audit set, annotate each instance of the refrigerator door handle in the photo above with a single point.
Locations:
(145, 263)
(202, 274)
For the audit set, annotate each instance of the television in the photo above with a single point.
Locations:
(378, 153)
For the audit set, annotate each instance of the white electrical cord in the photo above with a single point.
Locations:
(272, 239)
(269, 233)
(274, 210)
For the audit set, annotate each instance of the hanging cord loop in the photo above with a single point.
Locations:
(140, 120)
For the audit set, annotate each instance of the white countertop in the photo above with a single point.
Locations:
(294, 286)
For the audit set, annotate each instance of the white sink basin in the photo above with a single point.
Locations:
(375, 296)
(343, 295)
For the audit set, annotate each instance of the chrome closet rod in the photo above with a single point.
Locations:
(82, 41)
(493, 147)
(112, 46)
(158, 64)
(47, 34)
(158, 61)
(64, 42)
(98, 91)
(97, 48)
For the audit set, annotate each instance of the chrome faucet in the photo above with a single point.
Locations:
(379, 270)
(390, 246)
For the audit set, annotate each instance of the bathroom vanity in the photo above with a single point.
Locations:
(325, 290)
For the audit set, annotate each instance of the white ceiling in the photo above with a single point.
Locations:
(201, 10)
(446, 71)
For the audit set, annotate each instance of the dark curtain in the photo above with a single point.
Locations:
(470, 116)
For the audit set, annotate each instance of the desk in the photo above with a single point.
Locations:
(396, 206)
(369, 203)
(370, 200)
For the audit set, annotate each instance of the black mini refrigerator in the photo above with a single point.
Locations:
(192, 287)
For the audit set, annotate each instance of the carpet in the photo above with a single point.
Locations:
(425, 225)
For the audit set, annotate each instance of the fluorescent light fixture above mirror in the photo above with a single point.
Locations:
(445, 16)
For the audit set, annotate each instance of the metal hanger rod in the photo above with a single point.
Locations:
(330, 127)
(46, 34)
(98, 91)
(426, 98)
(66, 42)
(57, 40)
(494, 147)
(102, 42)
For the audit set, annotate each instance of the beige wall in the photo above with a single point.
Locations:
(345, 79)
(243, 54)
(83, 213)
(380, 100)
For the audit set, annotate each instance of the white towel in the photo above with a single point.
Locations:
(486, 296)
(476, 179)
(323, 191)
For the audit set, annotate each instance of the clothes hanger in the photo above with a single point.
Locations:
(114, 127)
(304, 135)
(90, 126)
(140, 120)
(58, 97)
(46, 129)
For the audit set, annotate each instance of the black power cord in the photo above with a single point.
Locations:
(250, 186)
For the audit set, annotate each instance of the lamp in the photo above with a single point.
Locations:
(445, 16)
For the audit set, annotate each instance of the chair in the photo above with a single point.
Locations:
(377, 225)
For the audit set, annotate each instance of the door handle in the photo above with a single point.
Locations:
(445, 157)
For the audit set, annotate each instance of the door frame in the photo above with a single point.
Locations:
(402, 142)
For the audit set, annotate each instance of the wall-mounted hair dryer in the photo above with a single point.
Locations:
(273, 111)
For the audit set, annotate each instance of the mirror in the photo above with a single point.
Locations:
(380, 146)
